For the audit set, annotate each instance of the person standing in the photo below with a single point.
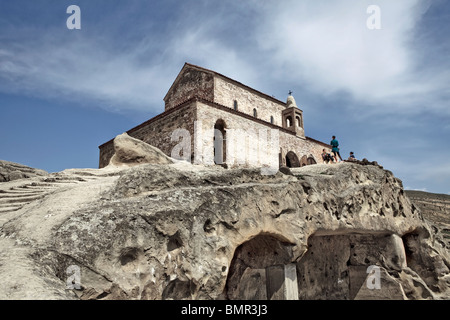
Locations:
(335, 144)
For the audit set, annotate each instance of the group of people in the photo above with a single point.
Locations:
(327, 157)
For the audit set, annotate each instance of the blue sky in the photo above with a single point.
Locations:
(384, 93)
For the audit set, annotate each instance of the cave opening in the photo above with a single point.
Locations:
(338, 266)
(261, 269)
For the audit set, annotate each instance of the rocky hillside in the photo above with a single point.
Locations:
(171, 230)
(435, 208)
(10, 171)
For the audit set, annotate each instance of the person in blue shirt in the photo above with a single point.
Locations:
(352, 157)
(335, 144)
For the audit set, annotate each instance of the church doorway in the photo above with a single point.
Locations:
(292, 160)
(220, 142)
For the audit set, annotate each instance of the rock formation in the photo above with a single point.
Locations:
(10, 171)
(179, 231)
(436, 209)
(129, 151)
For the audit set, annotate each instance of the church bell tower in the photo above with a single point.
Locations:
(293, 117)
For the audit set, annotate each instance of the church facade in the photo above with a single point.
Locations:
(211, 119)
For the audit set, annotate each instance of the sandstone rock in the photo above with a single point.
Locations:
(10, 171)
(130, 151)
(436, 209)
(158, 231)
(365, 162)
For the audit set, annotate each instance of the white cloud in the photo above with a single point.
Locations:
(330, 47)
(198, 46)
(85, 70)
(325, 46)
(113, 79)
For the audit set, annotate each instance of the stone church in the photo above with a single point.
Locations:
(211, 119)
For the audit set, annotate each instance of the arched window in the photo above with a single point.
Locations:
(271, 119)
(220, 151)
(288, 121)
(255, 113)
(235, 104)
(299, 121)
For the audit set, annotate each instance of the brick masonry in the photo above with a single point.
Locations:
(158, 131)
(190, 83)
(226, 92)
(198, 100)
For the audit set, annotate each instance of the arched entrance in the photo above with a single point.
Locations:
(311, 160)
(261, 269)
(292, 160)
(220, 142)
(303, 161)
(306, 161)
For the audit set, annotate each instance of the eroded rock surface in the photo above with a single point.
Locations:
(129, 151)
(436, 209)
(173, 231)
(10, 171)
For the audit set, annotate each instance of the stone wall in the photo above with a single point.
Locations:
(303, 148)
(246, 144)
(106, 153)
(226, 92)
(158, 131)
(190, 83)
(249, 142)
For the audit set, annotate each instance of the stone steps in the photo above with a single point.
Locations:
(27, 199)
(64, 181)
(10, 208)
(19, 195)
(16, 197)
(33, 190)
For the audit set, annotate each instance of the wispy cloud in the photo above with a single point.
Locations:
(94, 68)
(83, 68)
(330, 46)
(327, 47)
